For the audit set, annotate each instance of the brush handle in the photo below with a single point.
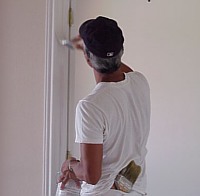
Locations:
(127, 177)
(67, 43)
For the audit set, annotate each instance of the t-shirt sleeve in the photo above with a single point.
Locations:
(89, 123)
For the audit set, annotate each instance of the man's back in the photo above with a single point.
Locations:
(117, 115)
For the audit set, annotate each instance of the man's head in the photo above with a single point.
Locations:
(103, 41)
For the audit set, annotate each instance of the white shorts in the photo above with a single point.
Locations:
(71, 191)
(113, 192)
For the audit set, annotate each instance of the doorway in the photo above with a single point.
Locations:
(58, 73)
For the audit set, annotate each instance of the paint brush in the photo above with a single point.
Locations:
(67, 43)
(127, 177)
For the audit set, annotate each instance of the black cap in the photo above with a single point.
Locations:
(102, 36)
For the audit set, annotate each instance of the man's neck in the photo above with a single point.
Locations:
(116, 76)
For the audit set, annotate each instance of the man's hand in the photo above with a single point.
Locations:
(68, 173)
(88, 169)
(77, 42)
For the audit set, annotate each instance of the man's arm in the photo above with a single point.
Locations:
(77, 44)
(88, 168)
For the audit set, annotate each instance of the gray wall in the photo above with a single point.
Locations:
(162, 40)
(22, 56)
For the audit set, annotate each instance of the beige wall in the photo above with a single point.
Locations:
(162, 40)
(22, 55)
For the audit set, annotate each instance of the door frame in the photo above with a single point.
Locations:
(56, 106)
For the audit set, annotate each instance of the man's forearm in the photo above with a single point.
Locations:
(81, 173)
(89, 167)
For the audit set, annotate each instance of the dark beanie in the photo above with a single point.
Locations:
(102, 37)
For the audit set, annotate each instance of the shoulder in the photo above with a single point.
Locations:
(137, 74)
(139, 79)
(86, 107)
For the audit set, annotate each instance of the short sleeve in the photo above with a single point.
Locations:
(89, 123)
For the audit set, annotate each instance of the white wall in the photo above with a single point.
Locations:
(22, 55)
(162, 40)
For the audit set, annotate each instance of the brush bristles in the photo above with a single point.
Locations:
(131, 172)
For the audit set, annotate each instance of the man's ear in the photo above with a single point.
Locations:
(88, 60)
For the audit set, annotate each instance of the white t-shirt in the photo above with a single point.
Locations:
(117, 115)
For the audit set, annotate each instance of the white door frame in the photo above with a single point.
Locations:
(48, 99)
(56, 93)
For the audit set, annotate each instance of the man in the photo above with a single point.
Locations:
(113, 121)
